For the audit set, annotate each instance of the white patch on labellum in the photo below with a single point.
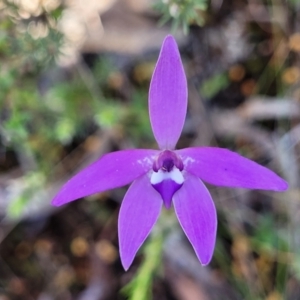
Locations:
(175, 175)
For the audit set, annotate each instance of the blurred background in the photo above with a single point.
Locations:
(74, 78)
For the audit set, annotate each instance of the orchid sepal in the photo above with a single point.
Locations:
(112, 170)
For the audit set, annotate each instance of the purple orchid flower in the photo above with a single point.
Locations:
(168, 176)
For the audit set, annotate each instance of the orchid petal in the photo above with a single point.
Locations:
(167, 183)
(197, 216)
(138, 214)
(110, 171)
(168, 96)
(167, 188)
(226, 168)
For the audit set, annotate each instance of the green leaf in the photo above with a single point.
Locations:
(214, 85)
(141, 285)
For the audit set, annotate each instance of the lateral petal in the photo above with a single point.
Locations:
(197, 216)
(223, 167)
(168, 96)
(112, 170)
(138, 214)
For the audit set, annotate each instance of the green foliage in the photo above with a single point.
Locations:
(37, 126)
(136, 119)
(14, 128)
(213, 85)
(182, 12)
(29, 44)
(31, 183)
(64, 130)
(268, 238)
(140, 286)
(109, 115)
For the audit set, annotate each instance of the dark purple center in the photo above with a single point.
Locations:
(166, 161)
(167, 165)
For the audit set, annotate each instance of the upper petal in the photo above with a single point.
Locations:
(197, 216)
(110, 171)
(138, 214)
(226, 168)
(168, 96)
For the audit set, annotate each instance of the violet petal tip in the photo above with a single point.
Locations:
(282, 186)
